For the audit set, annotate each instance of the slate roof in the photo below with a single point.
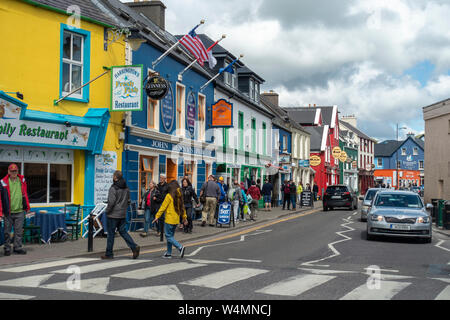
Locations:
(356, 130)
(87, 7)
(327, 113)
(316, 137)
(388, 147)
(304, 116)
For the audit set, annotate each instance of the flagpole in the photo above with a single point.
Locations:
(154, 63)
(180, 75)
(213, 78)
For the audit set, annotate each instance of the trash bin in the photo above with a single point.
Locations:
(434, 202)
(447, 215)
(440, 213)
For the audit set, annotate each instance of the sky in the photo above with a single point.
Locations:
(382, 61)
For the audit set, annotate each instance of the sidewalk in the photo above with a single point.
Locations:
(42, 252)
(444, 232)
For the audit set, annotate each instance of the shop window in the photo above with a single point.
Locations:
(60, 182)
(75, 64)
(201, 117)
(380, 162)
(36, 175)
(146, 174)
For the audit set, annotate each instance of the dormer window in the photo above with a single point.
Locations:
(234, 79)
(227, 75)
(257, 92)
(251, 91)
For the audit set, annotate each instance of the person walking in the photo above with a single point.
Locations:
(210, 191)
(163, 189)
(293, 189)
(189, 195)
(316, 191)
(253, 191)
(308, 187)
(235, 195)
(149, 206)
(267, 195)
(173, 207)
(286, 191)
(116, 213)
(299, 192)
(16, 196)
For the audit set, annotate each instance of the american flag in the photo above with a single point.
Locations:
(195, 46)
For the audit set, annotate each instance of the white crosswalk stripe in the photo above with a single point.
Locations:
(220, 279)
(12, 296)
(296, 285)
(386, 291)
(170, 292)
(45, 265)
(28, 282)
(444, 295)
(103, 266)
(97, 285)
(155, 271)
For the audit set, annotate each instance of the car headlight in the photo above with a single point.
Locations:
(423, 220)
(375, 217)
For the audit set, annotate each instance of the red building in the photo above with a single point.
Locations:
(323, 125)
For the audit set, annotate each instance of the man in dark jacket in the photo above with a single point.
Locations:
(286, 192)
(163, 190)
(116, 213)
(267, 194)
(149, 205)
(293, 189)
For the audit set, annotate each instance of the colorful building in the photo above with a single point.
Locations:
(59, 145)
(400, 164)
(348, 163)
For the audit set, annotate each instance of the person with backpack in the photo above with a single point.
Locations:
(286, 191)
(253, 191)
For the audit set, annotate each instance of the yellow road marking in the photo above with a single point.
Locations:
(234, 234)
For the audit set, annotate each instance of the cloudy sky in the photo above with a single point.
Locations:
(381, 60)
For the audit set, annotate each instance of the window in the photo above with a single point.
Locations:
(252, 90)
(152, 107)
(415, 151)
(398, 164)
(285, 143)
(264, 132)
(226, 137)
(180, 109)
(403, 151)
(227, 75)
(421, 164)
(241, 130)
(253, 134)
(234, 79)
(257, 92)
(75, 63)
(146, 174)
(189, 171)
(201, 117)
(60, 182)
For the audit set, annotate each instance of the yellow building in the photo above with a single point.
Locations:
(65, 150)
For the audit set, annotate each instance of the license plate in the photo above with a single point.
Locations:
(400, 227)
(335, 197)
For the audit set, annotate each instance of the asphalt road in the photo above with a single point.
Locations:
(322, 255)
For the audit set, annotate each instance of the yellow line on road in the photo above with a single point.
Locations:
(238, 233)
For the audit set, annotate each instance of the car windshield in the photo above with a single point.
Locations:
(398, 200)
(370, 194)
(337, 189)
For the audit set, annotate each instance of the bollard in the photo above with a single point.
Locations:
(91, 233)
(161, 228)
(440, 214)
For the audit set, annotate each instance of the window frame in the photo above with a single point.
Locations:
(253, 127)
(415, 151)
(85, 52)
(201, 98)
(180, 110)
(403, 152)
(264, 132)
(421, 164)
(241, 130)
(143, 170)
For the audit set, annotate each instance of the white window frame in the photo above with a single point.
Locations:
(378, 162)
(415, 151)
(403, 151)
(202, 123)
(157, 107)
(227, 75)
(251, 91)
(180, 131)
(234, 79)
(71, 62)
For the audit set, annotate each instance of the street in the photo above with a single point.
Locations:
(318, 255)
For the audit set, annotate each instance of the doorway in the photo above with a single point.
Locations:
(171, 167)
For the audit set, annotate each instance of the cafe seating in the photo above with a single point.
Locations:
(136, 216)
(72, 214)
(31, 232)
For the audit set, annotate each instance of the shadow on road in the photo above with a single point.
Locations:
(391, 239)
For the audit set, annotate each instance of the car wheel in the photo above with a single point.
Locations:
(369, 237)
(325, 208)
(330, 208)
(428, 240)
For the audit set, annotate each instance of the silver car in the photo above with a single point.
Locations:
(366, 200)
(398, 213)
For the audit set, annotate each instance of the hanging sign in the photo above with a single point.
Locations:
(343, 156)
(156, 88)
(126, 88)
(222, 114)
(191, 111)
(303, 163)
(336, 152)
(314, 161)
(168, 110)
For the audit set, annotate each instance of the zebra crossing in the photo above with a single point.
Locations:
(175, 279)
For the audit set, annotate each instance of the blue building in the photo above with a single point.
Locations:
(169, 136)
(405, 157)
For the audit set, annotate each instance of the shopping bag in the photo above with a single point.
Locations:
(246, 209)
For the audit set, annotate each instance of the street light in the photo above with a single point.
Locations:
(396, 163)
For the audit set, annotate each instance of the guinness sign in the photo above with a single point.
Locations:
(156, 88)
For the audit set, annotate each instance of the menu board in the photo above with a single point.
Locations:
(105, 165)
(306, 199)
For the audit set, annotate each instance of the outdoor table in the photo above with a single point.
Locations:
(50, 222)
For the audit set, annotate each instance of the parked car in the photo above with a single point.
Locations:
(339, 196)
(398, 213)
(366, 201)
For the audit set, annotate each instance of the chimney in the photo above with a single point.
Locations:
(350, 119)
(272, 97)
(154, 10)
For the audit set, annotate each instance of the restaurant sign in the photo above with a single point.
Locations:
(191, 112)
(168, 111)
(336, 152)
(222, 114)
(314, 161)
(126, 88)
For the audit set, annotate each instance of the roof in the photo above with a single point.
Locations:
(303, 116)
(87, 8)
(245, 70)
(388, 147)
(316, 137)
(356, 130)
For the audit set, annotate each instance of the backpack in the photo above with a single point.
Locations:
(287, 189)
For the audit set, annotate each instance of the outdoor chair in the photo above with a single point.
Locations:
(72, 214)
(31, 232)
(136, 216)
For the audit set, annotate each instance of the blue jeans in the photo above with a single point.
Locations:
(293, 200)
(148, 220)
(267, 199)
(121, 225)
(169, 230)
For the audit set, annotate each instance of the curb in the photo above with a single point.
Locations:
(200, 237)
(441, 232)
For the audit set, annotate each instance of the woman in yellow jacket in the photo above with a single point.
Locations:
(173, 206)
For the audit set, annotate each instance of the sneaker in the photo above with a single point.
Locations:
(136, 252)
(203, 223)
(143, 234)
(167, 256)
(20, 251)
(105, 257)
(7, 252)
(182, 252)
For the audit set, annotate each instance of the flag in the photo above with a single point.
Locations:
(229, 68)
(195, 46)
(211, 60)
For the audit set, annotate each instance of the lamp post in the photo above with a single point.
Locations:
(396, 163)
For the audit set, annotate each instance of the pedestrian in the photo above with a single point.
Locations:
(293, 189)
(210, 191)
(316, 191)
(173, 207)
(286, 191)
(149, 206)
(189, 196)
(258, 185)
(223, 193)
(299, 192)
(308, 187)
(236, 198)
(17, 203)
(116, 213)
(253, 191)
(163, 189)
(267, 195)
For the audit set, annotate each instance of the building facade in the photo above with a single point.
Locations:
(348, 167)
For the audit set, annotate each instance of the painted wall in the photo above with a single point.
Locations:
(407, 162)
